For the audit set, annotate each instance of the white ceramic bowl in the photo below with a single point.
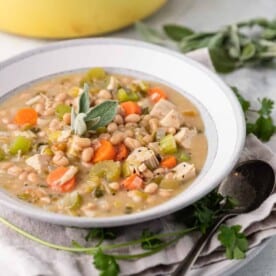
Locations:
(221, 112)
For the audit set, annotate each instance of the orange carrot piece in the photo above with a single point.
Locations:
(106, 151)
(168, 162)
(122, 152)
(131, 108)
(26, 116)
(133, 182)
(156, 94)
(55, 175)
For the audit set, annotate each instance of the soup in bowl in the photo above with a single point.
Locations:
(108, 132)
(99, 144)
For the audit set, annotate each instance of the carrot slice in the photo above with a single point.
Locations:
(133, 182)
(156, 94)
(168, 162)
(122, 152)
(106, 151)
(57, 174)
(26, 116)
(131, 108)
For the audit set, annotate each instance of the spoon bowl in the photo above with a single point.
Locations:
(250, 183)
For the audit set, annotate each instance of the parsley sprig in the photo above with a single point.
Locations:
(234, 241)
(263, 127)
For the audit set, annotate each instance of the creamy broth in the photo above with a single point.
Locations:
(47, 162)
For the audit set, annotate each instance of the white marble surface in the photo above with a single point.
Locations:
(201, 15)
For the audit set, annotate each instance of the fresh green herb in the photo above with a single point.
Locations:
(100, 234)
(204, 212)
(149, 240)
(90, 119)
(106, 264)
(263, 127)
(149, 34)
(234, 241)
(231, 47)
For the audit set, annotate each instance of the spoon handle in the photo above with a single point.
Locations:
(184, 266)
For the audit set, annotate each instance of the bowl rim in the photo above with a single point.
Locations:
(61, 219)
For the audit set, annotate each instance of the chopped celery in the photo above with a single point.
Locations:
(182, 156)
(101, 130)
(168, 145)
(106, 169)
(74, 92)
(157, 179)
(72, 201)
(125, 169)
(53, 136)
(169, 184)
(2, 154)
(92, 74)
(125, 96)
(62, 109)
(20, 144)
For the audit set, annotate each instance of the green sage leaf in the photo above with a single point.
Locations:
(84, 101)
(177, 32)
(195, 41)
(79, 124)
(248, 51)
(105, 111)
(221, 60)
(149, 34)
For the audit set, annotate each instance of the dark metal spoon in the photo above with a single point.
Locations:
(251, 182)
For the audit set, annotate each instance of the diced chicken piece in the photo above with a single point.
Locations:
(42, 122)
(33, 100)
(72, 170)
(142, 155)
(162, 108)
(172, 119)
(27, 133)
(184, 171)
(64, 135)
(113, 84)
(38, 162)
(185, 136)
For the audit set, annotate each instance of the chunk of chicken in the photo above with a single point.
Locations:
(185, 136)
(172, 119)
(38, 161)
(142, 155)
(184, 171)
(162, 108)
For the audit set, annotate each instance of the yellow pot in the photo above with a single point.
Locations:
(71, 18)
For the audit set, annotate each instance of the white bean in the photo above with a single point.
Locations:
(151, 188)
(14, 170)
(117, 137)
(104, 94)
(114, 186)
(87, 154)
(133, 118)
(33, 177)
(67, 118)
(132, 143)
(112, 127)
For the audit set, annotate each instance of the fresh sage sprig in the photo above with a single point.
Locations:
(87, 119)
(231, 47)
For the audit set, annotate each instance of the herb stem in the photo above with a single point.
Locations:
(42, 242)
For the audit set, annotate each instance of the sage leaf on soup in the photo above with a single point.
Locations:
(149, 34)
(84, 101)
(79, 124)
(177, 32)
(105, 111)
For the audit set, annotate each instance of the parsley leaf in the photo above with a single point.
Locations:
(149, 241)
(100, 233)
(234, 241)
(106, 264)
(244, 103)
(264, 126)
(266, 107)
